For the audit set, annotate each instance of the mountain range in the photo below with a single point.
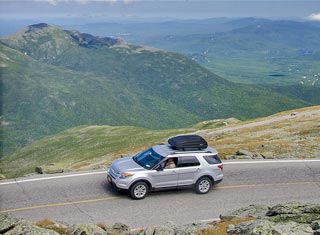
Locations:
(246, 50)
(54, 79)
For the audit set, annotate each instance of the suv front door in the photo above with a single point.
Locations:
(165, 177)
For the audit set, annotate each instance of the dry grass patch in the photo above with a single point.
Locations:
(49, 224)
(221, 227)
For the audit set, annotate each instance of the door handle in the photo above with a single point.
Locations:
(174, 172)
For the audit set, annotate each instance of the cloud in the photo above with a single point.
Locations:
(314, 16)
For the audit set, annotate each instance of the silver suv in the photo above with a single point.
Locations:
(161, 167)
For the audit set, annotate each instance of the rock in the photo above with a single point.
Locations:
(49, 169)
(87, 229)
(267, 155)
(149, 231)
(315, 225)
(297, 212)
(193, 229)
(10, 225)
(256, 211)
(242, 152)
(257, 156)
(294, 208)
(265, 227)
(2, 177)
(137, 232)
(7, 222)
(230, 157)
(118, 229)
(166, 229)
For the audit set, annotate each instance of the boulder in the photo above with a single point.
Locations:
(315, 225)
(166, 229)
(255, 211)
(242, 152)
(87, 229)
(49, 169)
(294, 211)
(137, 232)
(267, 155)
(193, 229)
(118, 229)
(265, 227)
(10, 225)
(7, 222)
(149, 231)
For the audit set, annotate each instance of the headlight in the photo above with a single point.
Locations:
(126, 175)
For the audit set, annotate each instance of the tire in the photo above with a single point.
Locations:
(203, 185)
(139, 190)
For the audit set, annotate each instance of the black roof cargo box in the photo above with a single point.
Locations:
(188, 142)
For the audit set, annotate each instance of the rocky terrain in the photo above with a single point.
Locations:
(283, 219)
(293, 134)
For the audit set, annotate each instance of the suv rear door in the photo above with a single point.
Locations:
(188, 169)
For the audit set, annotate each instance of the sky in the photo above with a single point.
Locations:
(157, 9)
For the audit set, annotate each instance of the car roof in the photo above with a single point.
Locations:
(165, 150)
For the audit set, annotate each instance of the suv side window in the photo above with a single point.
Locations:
(187, 161)
(212, 159)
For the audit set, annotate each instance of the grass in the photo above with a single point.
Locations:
(87, 147)
(81, 146)
(296, 137)
(49, 224)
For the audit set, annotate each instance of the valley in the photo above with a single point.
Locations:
(246, 50)
(55, 79)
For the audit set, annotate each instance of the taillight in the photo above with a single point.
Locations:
(220, 167)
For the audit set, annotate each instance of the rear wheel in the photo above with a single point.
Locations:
(203, 185)
(139, 190)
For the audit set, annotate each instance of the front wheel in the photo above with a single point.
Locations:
(139, 190)
(203, 185)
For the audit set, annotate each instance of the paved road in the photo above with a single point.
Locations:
(87, 198)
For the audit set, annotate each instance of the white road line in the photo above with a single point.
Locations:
(53, 177)
(271, 161)
(104, 172)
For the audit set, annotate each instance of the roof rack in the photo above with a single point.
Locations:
(193, 151)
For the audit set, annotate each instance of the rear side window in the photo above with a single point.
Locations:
(188, 161)
(212, 159)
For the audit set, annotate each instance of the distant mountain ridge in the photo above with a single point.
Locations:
(53, 79)
(250, 50)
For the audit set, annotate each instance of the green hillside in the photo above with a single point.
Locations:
(54, 79)
(88, 147)
(80, 145)
(85, 145)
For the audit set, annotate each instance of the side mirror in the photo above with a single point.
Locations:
(159, 168)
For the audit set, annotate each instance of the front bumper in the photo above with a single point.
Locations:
(118, 183)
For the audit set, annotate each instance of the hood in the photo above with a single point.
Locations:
(126, 164)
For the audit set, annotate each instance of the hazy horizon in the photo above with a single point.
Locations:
(178, 9)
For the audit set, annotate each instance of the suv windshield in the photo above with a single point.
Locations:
(148, 158)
